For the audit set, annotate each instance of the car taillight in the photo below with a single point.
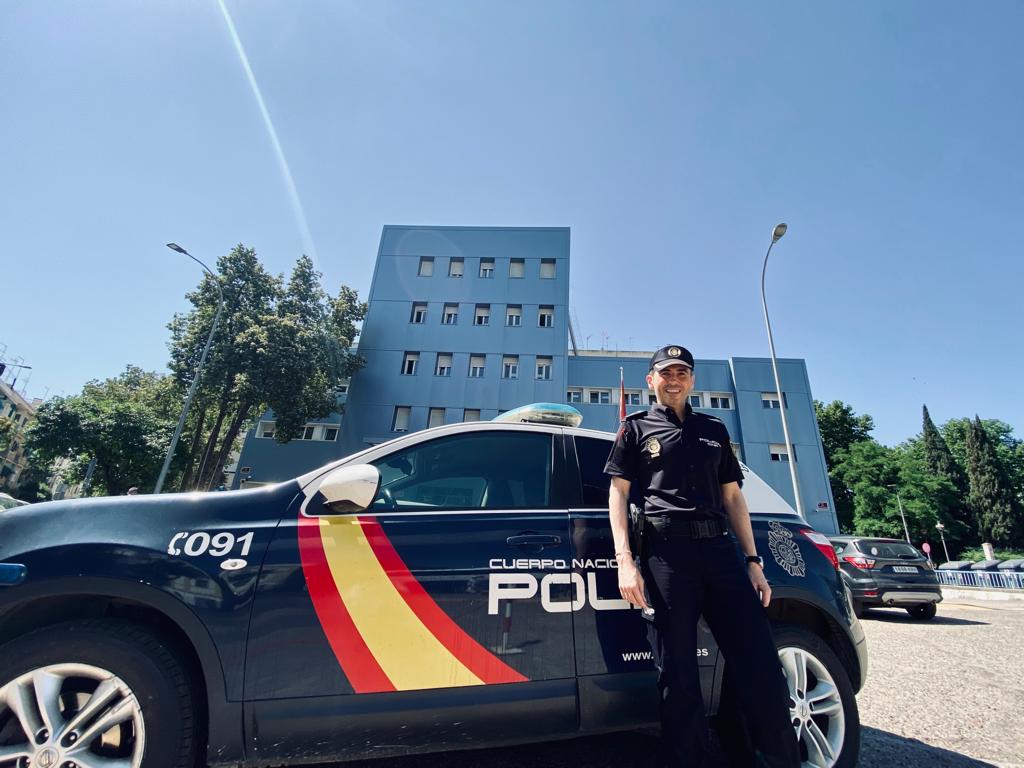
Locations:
(822, 543)
(860, 562)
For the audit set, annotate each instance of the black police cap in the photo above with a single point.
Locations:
(671, 355)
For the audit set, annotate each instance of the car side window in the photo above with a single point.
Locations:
(592, 455)
(480, 470)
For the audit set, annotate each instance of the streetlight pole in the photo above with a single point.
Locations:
(199, 371)
(940, 528)
(777, 233)
(902, 516)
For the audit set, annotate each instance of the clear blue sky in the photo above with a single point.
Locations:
(670, 137)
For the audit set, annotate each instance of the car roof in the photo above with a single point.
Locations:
(761, 498)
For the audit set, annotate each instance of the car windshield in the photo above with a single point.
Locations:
(889, 549)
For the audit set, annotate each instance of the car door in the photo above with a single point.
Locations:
(613, 655)
(425, 621)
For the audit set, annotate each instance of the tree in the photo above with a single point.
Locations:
(939, 460)
(8, 429)
(840, 428)
(125, 423)
(996, 510)
(286, 347)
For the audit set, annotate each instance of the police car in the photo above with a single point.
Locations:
(452, 588)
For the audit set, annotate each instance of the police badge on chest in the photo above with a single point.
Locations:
(652, 447)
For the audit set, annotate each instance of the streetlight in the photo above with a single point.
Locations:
(940, 528)
(777, 233)
(195, 381)
(903, 517)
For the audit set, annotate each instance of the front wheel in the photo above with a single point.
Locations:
(822, 705)
(922, 612)
(94, 694)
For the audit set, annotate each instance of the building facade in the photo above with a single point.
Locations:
(20, 412)
(464, 323)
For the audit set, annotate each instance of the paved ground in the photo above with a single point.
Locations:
(948, 693)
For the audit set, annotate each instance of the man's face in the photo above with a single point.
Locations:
(672, 385)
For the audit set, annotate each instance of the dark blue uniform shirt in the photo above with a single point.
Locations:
(679, 467)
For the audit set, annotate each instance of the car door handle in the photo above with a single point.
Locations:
(533, 540)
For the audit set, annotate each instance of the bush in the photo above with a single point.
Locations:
(976, 554)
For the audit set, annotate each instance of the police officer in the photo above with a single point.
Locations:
(682, 464)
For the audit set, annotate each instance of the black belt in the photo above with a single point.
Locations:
(687, 529)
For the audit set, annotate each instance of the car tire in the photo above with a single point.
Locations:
(110, 689)
(922, 612)
(800, 650)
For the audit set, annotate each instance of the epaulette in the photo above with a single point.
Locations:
(637, 415)
(712, 418)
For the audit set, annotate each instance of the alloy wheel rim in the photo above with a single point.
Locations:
(815, 707)
(70, 716)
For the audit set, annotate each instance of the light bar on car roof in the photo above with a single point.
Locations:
(543, 413)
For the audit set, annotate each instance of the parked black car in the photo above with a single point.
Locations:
(887, 573)
(452, 588)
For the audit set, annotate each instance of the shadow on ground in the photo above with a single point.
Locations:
(884, 748)
(899, 616)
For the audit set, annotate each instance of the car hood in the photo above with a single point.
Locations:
(135, 520)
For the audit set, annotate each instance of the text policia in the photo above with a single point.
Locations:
(510, 580)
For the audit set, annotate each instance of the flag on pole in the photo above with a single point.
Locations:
(622, 397)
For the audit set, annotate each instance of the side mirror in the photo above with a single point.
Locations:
(350, 489)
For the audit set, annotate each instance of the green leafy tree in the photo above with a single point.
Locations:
(283, 346)
(840, 427)
(996, 510)
(8, 429)
(867, 468)
(125, 423)
(1009, 450)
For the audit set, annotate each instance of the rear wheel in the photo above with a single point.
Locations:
(822, 705)
(94, 695)
(922, 612)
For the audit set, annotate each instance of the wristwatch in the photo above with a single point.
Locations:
(755, 559)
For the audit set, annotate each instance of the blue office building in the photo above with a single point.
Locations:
(464, 323)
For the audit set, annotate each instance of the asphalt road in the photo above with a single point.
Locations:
(947, 693)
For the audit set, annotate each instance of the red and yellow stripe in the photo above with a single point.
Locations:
(385, 630)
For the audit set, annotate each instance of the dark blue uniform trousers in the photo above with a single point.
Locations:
(687, 577)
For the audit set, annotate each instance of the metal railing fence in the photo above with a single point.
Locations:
(983, 579)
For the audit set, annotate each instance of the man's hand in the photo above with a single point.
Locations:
(631, 583)
(758, 580)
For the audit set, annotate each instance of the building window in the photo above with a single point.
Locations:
(695, 401)
(574, 396)
(600, 396)
(266, 429)
(516, 268)
(544, 368)
(547, 269)
(513, 315)
(450, 315)
(419, 313)
(400, 422)
(482, 315)
(770, 400)
(455, 268)
(307, 432)
(409, 363)
(632, 397)
(435, 418)
(486, 267)
(510, 367)
(444, 364)
(471, 414)
(546, 317)
(720, 401)
(476, 366)
(778, 452)
(426, 266)
(341, 389)
(652, 398)
(330, 434)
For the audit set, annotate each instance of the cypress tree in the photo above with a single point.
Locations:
(939, 461)
(991, 496)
